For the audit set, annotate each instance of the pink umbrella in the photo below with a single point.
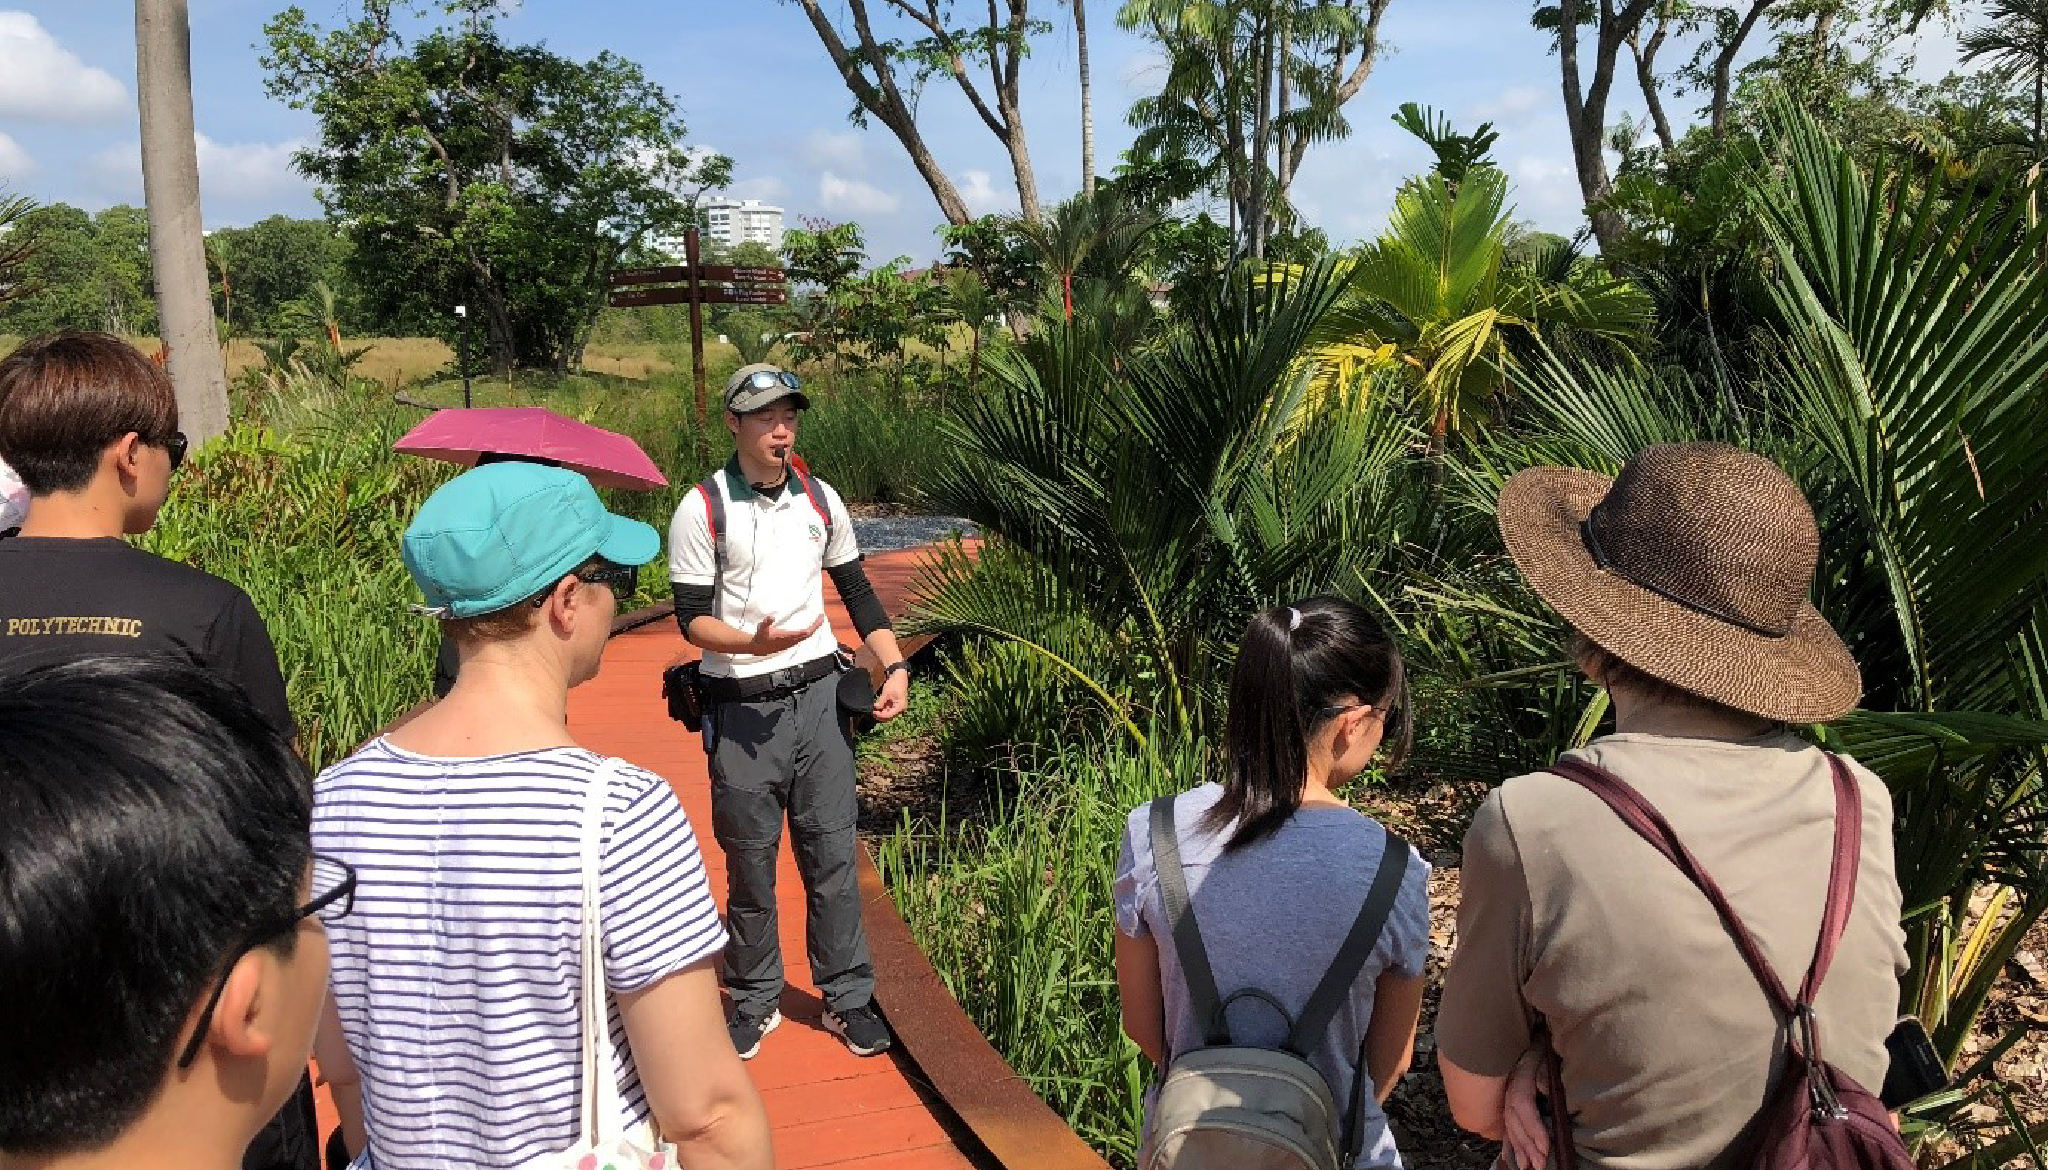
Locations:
(462, 434)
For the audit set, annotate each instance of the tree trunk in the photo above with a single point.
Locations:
(1646, 77)
(1087, 101)
(1283, 153)
(1724, 67)
(886, 102)
(177, 244)
(1586, 109)
(1262, 129)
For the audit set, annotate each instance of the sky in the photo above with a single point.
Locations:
(752, 81)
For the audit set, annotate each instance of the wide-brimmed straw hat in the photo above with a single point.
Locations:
(1693, 566)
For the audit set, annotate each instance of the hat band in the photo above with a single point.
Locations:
(1601, 562)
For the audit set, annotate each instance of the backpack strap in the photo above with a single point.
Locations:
(817, 498)
(1335, 987)
(1180, 917)
(1639, 814)
(714, 517)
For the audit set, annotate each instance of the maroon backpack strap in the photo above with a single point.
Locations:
(1642, 816)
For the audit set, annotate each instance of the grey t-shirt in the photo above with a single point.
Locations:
(1272, 916)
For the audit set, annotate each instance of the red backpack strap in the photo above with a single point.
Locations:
(1639, 814)
(714, 518)
(817, 498)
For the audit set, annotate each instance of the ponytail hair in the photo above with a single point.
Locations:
(1294, 663)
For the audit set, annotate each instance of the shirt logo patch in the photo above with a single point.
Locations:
(816, 534)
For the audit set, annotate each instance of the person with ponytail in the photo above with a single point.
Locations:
(1277, 865)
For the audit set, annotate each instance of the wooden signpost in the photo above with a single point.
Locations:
(700, 284)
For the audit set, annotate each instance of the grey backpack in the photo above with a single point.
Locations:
(1230, 1106)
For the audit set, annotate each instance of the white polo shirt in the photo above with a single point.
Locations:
(775, 556)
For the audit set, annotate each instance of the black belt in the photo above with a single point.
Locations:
(775, 684)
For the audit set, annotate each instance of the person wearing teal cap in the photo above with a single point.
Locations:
(448, 1026)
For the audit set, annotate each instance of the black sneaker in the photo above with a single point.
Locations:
(864, 1032)
(746, 1031)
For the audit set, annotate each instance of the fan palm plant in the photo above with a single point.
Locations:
(1438, 288)
(1158, 497)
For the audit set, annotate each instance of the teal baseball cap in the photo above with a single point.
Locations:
(492, 537)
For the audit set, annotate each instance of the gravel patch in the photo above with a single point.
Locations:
(889, 533)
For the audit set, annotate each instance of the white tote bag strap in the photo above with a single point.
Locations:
(603, 1109)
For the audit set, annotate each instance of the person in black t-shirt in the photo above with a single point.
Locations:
(91, 427)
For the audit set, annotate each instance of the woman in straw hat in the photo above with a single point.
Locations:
(1685, 582)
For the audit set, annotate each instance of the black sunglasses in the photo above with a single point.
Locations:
(332, 906)
(176, 445)
(623, 580)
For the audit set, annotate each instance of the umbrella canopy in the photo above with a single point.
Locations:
(463, 434)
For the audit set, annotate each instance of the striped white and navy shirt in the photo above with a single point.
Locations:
(456, 976)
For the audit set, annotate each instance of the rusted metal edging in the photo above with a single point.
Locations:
(996, 1105)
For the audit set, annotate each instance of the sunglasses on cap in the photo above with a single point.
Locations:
(769, 379)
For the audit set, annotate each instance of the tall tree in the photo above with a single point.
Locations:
(170, 185)
(505, 177)
(1249, 85)
(2014, 42)
(886, 74)
(1612, 25)
(15, 248)
(78, 271)
(1087, 100)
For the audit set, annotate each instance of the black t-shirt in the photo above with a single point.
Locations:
(62, 599)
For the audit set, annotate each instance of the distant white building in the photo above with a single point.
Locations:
(739, 221)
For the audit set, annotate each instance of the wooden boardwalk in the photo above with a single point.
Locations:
(828, 1107)
(942, 1099)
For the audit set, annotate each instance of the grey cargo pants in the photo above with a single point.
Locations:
(770, 758)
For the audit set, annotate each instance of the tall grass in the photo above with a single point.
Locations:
(303, 502)
(1015, 913)
(307, 521)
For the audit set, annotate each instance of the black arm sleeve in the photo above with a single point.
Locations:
(859, 595)
(692, 602)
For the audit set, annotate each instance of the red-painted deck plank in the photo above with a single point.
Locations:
(828, 1107)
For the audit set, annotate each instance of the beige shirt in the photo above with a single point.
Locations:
(1670, 1046)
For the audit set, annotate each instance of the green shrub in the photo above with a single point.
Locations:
(1015, 913)
(308, 523)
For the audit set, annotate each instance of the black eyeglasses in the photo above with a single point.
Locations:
(1390, 715)
(332, 906)
(176, 446)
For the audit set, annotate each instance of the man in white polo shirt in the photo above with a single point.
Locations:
(748, 551)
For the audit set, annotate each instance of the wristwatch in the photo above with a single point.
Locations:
(901, 664)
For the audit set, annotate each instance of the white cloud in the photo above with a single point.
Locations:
(238, 170)
(1514, 106)
(851, 197)
(41, 80)
(835, 152)
(766, 188)
(978, 189)
(14, 160)
(1546, 192)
